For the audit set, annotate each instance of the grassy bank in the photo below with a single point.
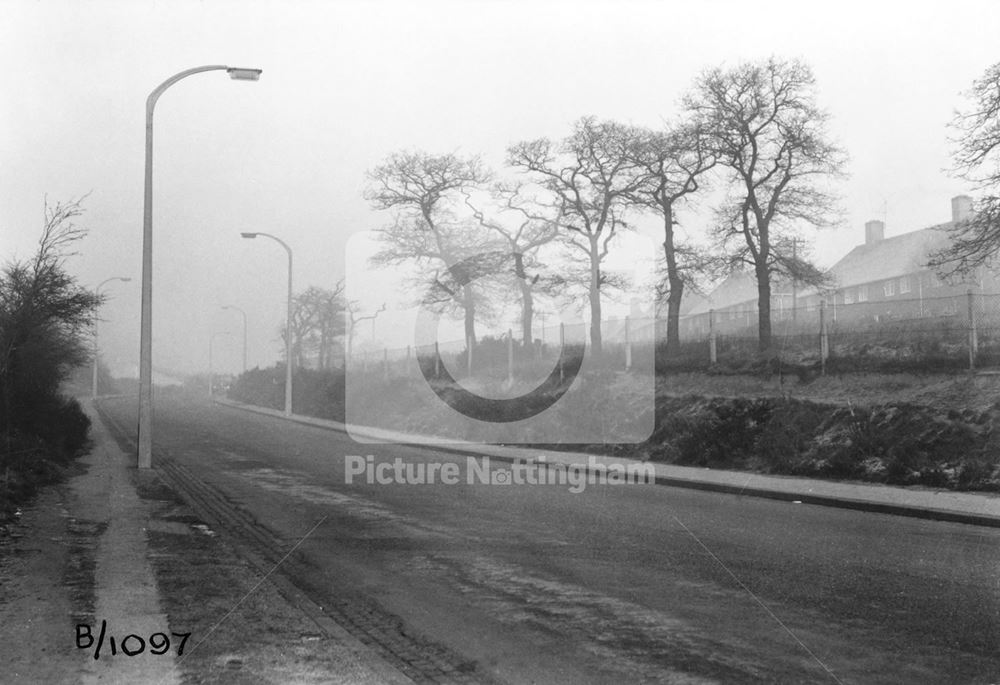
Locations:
(938, 431)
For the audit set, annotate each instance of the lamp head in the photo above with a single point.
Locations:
(249, 235)
(125, 280)
(240, 74)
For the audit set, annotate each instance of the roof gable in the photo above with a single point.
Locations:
(890, 257)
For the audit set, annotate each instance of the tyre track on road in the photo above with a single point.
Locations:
(362, 624)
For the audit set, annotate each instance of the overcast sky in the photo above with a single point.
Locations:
(346, 83)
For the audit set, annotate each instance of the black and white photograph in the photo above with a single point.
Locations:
(458, 342)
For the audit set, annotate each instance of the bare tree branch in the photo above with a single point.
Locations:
(768, 132)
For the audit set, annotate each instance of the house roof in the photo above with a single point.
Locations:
(738, 288)
(890, 257)
(692, 300)
(884, 259)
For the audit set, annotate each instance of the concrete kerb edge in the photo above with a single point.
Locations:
(386, 672)
(945, 515)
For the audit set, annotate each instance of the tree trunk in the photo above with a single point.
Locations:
(674, 316)
(596, 346)
(527, 301)
(763, 309)
(469, 305)
(674, 281)
(527, 314)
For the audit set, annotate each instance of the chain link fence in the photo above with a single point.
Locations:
(955, 331)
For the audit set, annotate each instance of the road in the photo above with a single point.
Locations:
(635, 583)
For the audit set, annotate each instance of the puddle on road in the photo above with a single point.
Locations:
(653, 642)
(236, 459)
(296, 485)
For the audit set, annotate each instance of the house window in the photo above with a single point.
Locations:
(848, 297)
(889, 287)
(863, 293)
(904, 285)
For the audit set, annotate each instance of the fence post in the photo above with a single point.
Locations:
(712, 356)
(364, 361)
(510, 356)
(973, 337)
(628, 346)
(562, 346)
(468, 355)
(437, 360)
(385, 363)
(824, 340)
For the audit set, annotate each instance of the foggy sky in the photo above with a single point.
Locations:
(346, 83)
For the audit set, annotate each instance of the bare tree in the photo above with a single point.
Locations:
(522, 240)
(588, 178)
(44, 319)
(976, 241)
(329, 306)
(354, 317)
(767, 130)
(673, 164)
(420, 188)
(317, 324)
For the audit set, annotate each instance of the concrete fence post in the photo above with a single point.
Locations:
(437, 360)
(712, 352)
(628, 346)
(824, 340)
(562, 346)
(510, 356)
(385, 363)
(973, 335)
(468, 355)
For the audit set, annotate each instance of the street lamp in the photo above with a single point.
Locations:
(229, 306)
(211, 375)
(288, 321)
(97, 291)
(145, 441)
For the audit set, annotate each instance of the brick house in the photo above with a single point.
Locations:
(882, 278)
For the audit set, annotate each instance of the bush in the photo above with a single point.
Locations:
(44, 318)
(314, 393)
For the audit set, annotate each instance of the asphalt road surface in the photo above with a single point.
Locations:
(635, 583)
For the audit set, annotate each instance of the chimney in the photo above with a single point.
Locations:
(961, 208)
(874, 231)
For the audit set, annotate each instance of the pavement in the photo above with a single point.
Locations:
(81, 554)
(981, 509)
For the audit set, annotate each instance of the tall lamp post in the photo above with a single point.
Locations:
(145, 441)
(229, 306)
(288, 321)
(211, 374)
(97, 291)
